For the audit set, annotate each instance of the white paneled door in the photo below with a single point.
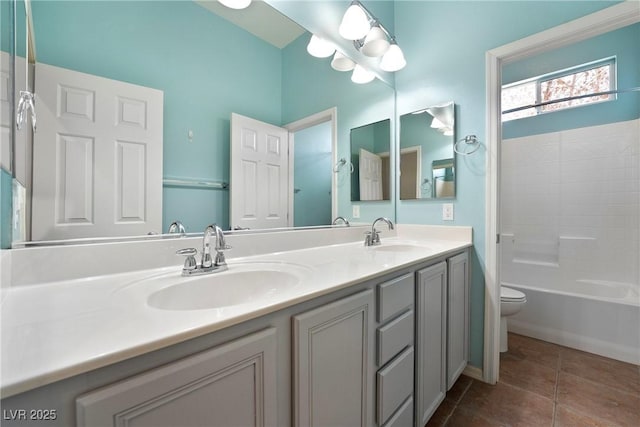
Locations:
(370, 175)
(259, 174)
(97, 157)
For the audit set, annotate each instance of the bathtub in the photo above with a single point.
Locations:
(590, 315)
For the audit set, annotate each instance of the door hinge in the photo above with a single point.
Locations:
(497, 238)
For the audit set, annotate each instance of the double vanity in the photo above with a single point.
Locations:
(289, 333)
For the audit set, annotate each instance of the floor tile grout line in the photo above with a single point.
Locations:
(555, 389)
(599, 384)
(528, 391)
(455, 406)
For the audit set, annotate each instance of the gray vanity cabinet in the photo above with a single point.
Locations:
(431, 340)
(457, 317)
(231, 384)
(333, 363)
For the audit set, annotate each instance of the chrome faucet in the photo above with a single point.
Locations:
(372, 238)
(177, 227)
(207, 264)
(343, 219)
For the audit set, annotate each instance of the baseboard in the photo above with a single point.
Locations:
(473, 372)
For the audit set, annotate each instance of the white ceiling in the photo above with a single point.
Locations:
(259, 19)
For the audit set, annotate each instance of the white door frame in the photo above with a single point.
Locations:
(329, 115)
(603, 21)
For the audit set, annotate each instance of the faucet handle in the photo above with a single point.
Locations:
(190, 262)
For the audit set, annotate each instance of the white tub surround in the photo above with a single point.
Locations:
(570, 237)
(77, 322)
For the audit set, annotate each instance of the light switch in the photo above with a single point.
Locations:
(356, 211)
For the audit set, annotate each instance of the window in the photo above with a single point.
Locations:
(577, 83)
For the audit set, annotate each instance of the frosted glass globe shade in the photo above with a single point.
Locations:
(320, 48)
(236, 4)
(393, 60)
(355, 23)
(341, 62)
(361, 75)
(376, 43)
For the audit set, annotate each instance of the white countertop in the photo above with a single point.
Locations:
(55, 330)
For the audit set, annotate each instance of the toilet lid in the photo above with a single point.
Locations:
(508, 294)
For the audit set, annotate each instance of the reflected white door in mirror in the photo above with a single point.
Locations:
(106, 136)
(259, 174)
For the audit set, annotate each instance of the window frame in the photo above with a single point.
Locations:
(611, 62)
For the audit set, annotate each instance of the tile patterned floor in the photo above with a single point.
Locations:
(543, 384)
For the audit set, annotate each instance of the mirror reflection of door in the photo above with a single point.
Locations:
(259, 174)
(370, 148)
(312, 176)
(410, 172)
(370, 166)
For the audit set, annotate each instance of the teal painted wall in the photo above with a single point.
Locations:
(623, 44)
(445, 44)
(174, 46)
(309, 88)
(312, 176)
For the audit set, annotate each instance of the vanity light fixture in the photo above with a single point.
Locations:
(320, 48)
(235, 4)
(361, 75)
(372, 39)
(369, 37)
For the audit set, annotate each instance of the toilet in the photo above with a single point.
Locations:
(511, 302)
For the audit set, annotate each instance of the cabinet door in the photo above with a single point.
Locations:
(230, 385)
(458, 317)
(333, 363)
(430, 346)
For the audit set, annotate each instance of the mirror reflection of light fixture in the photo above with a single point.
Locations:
(376, 42)
(437, 124)
(355, 22)
(320, 48)
(235, 4)
(341, 62)
(442, 119)
(393, 60)
(361, 75)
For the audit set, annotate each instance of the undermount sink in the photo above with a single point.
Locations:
(241, 284)
(399, 247)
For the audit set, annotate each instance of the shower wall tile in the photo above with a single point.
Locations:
(581, 183)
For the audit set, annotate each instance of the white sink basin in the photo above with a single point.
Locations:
(399, 248)
(242, 283)
(223, 289)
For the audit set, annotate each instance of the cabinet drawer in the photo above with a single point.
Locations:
(394, 296)
(395, 384)
(395, 336)
(403, 416)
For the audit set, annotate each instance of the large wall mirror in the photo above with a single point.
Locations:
(179, 69)
(427, 161)
(370, 158)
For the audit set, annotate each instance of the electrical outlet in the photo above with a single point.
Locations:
(356, 211)
(447, 211)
